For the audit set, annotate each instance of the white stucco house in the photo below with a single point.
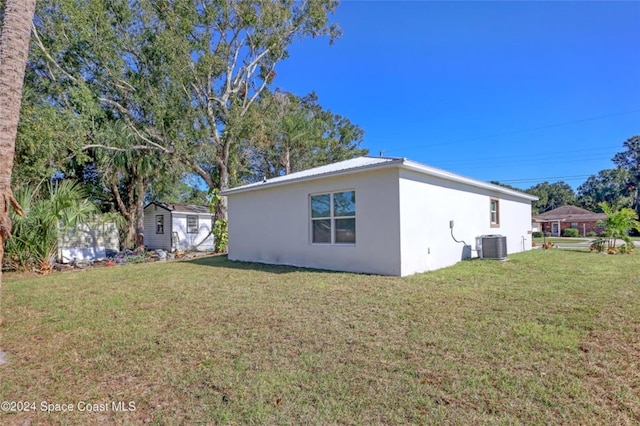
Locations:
(388, 216)
(174, 227)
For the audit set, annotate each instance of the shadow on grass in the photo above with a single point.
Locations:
(223, 262)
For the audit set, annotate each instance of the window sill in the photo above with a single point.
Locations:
(334, 244)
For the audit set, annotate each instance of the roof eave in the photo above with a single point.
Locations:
(159, 204)
(266, 185)
(397, 162)
(443, 174)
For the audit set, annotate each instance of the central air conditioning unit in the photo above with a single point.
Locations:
(492, 247)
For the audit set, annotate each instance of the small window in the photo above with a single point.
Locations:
(159, 224)
(574, 225)
(333, 218)
(494, 210)
(192, 224)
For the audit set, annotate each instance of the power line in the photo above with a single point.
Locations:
(548, 126)
(521, 160)
(543, 179)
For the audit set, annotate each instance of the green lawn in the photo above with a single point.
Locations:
(548, 337)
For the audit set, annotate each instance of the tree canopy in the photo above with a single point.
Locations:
(610, 186)
(182, 75)
(551, 196)
(181, 86)
(629, 160)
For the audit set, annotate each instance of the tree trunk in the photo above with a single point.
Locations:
(127, 213)
(224, 181)
(14, 50)
(636, 198)
(287, 160)
(141, 189)
(222, 208)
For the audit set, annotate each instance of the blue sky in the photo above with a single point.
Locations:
(519, 92)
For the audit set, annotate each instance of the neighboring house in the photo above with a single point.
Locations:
(388, 216)
(93, 240)
(557, 220)
(174, 227)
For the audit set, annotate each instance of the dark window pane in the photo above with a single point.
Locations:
(320, 205)
(322, 231)
(344, 203)
(192, 224)
(345, 230)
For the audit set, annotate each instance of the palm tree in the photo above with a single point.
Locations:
(14, 50)
(618, 223)
(35, 234)
(128, 174)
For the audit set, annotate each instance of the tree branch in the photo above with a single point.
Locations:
(115, 104)
(198, 170)
(48, 56)
(257, 93)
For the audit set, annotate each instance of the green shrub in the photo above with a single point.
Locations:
(220, 235)
(591, 234)
(599, 245)
(547, 234)
(570, 232)
(537, 234)
(47, 213)
(626, 248)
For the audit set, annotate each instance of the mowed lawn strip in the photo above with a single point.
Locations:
(547, 337)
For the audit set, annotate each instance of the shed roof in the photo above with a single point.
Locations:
(181, 208)
(570, 214)
(361, 164)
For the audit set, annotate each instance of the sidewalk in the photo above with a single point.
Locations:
(570, 244)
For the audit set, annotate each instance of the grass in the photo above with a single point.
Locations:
(549, 337)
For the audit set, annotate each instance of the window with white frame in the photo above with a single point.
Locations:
(333, 218)
(159, 224)
(192, 224)
(494, 211)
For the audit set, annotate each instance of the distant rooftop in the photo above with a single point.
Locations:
(570, 214)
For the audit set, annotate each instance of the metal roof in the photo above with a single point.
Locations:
(361, 164)
(328, 169)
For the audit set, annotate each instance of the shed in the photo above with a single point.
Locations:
(379, 215)
(174, 227)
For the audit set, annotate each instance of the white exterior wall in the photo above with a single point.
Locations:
(152, 240)
(273, 225)
(427, 204)
(200, 241)
(88, 241)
